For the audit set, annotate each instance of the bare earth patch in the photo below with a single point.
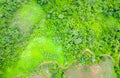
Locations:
(102, 70)
(37, 76)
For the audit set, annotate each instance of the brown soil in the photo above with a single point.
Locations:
(102, 70)
(37, 76)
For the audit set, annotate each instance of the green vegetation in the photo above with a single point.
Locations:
(61, 31)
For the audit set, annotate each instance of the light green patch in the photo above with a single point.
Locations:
(96, 27)
(38, 50)
(27, 16)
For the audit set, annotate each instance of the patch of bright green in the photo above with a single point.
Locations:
(38, 50)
